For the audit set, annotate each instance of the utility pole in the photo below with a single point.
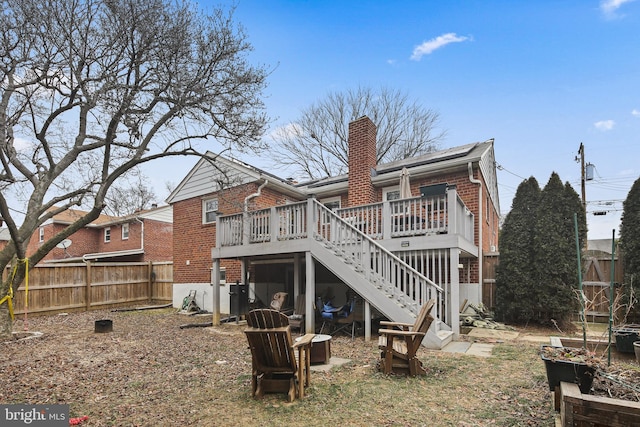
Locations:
(583, 179)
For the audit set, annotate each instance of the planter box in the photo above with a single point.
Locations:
(568, 371)
(578, 409)
(625, 337)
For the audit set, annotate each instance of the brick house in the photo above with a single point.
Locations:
(140, 237)
(5, 236)
(235, 222)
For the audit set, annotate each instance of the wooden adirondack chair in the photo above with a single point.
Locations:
(273, 355)
(399, 346)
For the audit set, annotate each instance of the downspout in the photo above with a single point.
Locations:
(480, 260)
(141, 233)
(254, 195)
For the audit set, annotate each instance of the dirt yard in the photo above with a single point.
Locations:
(150, 372)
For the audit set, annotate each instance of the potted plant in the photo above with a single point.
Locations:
(576, 365)
(625, 336)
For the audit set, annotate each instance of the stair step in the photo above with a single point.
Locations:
(445, 337)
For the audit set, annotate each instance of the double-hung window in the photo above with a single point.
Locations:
(209, 210)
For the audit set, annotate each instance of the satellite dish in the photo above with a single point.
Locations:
(64, 244)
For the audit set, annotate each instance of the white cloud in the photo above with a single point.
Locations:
(290, 130)
(610, 7)
(23, 145)
(429, 46)
(635, 112)
(604, 125)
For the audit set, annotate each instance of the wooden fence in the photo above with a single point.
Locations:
(91, 286)
(596, 281)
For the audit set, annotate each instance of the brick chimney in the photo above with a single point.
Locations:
(362, 159)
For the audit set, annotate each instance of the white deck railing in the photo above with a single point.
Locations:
(416, 216)
(353, 234)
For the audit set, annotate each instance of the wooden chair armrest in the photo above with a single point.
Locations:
(400, 333)
(303, 340)
(400, 325)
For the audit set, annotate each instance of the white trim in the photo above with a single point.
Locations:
(107, 234)
(125, 235)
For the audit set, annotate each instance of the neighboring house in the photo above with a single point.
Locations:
(360, 232)
(140, 237)
(5, 236)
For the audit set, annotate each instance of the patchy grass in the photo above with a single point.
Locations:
(149, 372)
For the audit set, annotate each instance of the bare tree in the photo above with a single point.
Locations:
(92, 88)
(129, 196)
(317, 143)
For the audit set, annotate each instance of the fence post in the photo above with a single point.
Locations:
(150, 280)
(87, 297)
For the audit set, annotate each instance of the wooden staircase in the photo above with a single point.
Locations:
(393, 287)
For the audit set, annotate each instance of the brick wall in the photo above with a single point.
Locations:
(192, 243)
(362, 158)
(193, 240)
(158, 240)
(83, 241)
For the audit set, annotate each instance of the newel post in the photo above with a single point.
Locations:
(386, 219)
(452, 210)
(312, 220)
(87, 292)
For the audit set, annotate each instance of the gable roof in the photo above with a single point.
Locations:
(215, 172)
(72, 215)
(162, 213)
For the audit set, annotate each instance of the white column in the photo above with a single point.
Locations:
(215, 291)
(367, 321)
(296, 275)
(310, 292)
(454, 301)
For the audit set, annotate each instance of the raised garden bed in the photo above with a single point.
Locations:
(577, 409)
(599, 346)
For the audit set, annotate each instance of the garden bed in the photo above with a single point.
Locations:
(577, 409)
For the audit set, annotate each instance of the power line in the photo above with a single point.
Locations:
(501, 168)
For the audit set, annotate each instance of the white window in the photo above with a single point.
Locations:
(41, 234)
(125, 231)
(223, 275)
(107, 234)
(391, 193)
(209, 210)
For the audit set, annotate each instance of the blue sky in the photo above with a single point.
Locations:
(540, 77)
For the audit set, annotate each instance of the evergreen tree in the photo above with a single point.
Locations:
(630, 240)
(514, 274)
(554, 295)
